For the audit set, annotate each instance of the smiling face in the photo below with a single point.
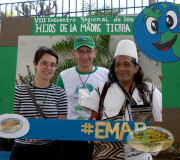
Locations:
(84, 57)
(157, 31)
(45, 67)
(125, 69)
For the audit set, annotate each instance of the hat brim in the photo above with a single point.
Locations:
(90, 46)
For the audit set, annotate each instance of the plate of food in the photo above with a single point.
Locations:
(13, 126)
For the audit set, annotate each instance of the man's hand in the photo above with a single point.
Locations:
(160, 77)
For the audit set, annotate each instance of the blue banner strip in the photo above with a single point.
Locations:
(81, 130)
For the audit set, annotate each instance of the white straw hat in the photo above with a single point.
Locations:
(127, 48)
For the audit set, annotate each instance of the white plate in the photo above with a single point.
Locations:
(13, 126)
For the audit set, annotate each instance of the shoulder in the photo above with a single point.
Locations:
(107, 85)
(102, 69)
(102, 72)
(153, 87)
(20, 87)
(56, 88)
(20, 90)
(150, 85)
(67, 71)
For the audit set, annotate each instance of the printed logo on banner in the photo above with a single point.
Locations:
(150, 139)
(157, 31)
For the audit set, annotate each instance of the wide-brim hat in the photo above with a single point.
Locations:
(127, 48)
(84, 41)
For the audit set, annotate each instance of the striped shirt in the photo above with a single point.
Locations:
(54, 97)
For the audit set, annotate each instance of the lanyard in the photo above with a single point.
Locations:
(83, 83)
(44, 98)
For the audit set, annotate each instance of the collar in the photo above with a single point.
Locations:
(94, 70)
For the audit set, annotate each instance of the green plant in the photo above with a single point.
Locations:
(92, 10)
(42, 8)
(25, 79)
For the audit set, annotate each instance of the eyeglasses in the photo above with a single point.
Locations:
(81, 52)
(45, 64)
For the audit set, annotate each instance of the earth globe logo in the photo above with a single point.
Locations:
(157, 31)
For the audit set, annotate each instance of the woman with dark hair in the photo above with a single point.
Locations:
(51, 100)
(127, 96)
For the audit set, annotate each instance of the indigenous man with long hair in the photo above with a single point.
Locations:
(127, 96)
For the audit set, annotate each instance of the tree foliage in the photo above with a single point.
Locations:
(107, 10)
(41, 8)
(8, 14)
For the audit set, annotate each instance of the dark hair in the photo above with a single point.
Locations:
(139, 79)
(41, 51)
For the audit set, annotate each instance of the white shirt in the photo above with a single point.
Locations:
(113, 102)
(72, 80)
(115, 98)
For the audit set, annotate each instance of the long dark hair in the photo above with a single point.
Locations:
(139, 79)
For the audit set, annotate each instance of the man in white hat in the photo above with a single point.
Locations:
(126, 96)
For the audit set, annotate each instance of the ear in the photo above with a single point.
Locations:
(95, 53)
(137, 69)
(35, 65)
(73, 53)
